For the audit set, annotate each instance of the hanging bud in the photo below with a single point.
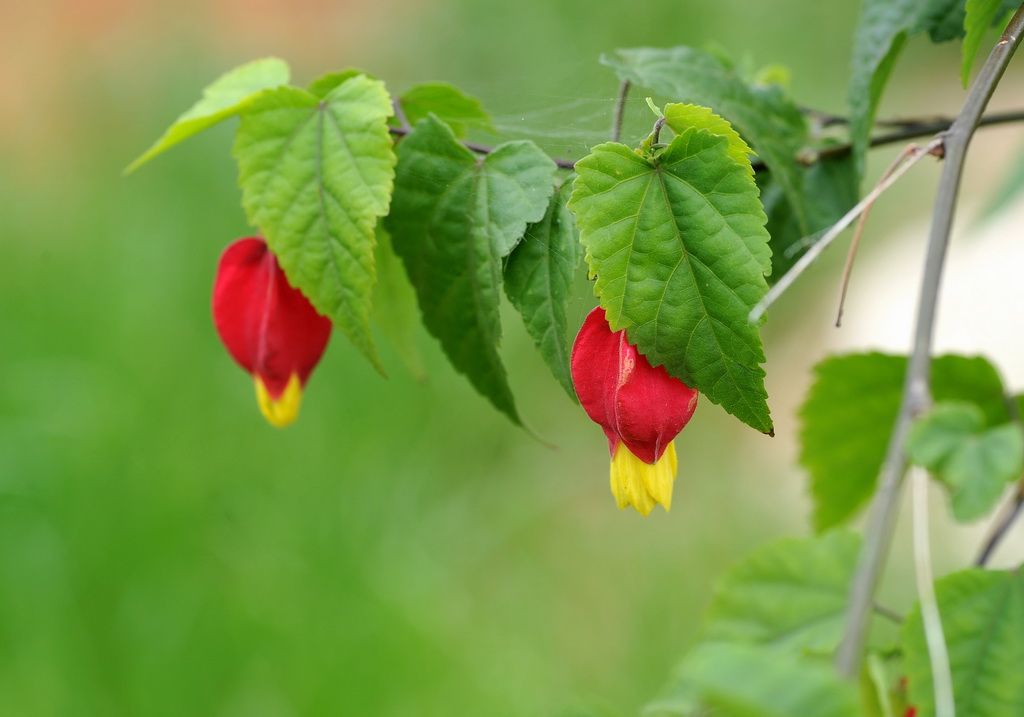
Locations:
(268, 327)
(640, 408)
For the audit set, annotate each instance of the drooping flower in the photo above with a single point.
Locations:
(641, 409)
(267, 326)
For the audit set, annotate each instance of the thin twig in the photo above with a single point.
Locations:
(888, 613)
(808, 258)
(400, 115)
(910, 129)
(916, 395)
(934, 636)
(859, 231)
(620, 110)
(483, 149)
(1002, 527)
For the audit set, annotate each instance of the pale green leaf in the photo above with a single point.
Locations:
(680, 117)
(678, 246)
(849, 414)
(539, 276)
(451, 105)
(758, 681)
(454, 218)
(316, 173)
(763, 114)
(790, 594)
(225, 97)
(983, 622)
(323, 85)
(974, 463)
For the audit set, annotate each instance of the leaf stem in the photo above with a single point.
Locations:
(1010, 515)
(934, 635)
(916, 394)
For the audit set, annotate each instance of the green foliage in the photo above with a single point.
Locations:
(678, 246)
(758, 681)
(789, 594)
(449, 104)
(979, 16)
(849, 413)
(881, 35)
(983, 621)
(394, 306)
(973, 462)
(454, 219)
(316, 173)
(763, 114)
(225, 97)
(538, 281)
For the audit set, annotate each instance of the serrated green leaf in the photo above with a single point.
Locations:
(225, 97)
(451, 105)
(454, 217)
(394, 306)
(538, 281)
(875, 699)
(849, 414)
(679, 249)
(974, 463)
(763, 114)
(758, 681)
(316, 173)
(790, 594)
(983, 621)
(978, 18)
(680, 117)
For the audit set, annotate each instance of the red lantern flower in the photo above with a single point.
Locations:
(641, 409)
(268, 327)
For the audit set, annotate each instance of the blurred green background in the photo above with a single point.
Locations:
(402, 549)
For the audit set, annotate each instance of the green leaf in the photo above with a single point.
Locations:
(453, 220)
(538, 281)
(678, 246)
(830, 188)
(874, 688)
(978, 18)
(394, 306)
(322, 86)
(757, 681)
(973, 462)
(316, 173)
(680, 117)
(849, 414)
(225, 97)
(763, 114)
(881, 35)
(451, 105)
(789, 594)
(983, 621)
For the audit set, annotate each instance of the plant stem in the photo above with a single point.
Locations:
(934, 635)
(912, 129)
(916, 394)
(1010, 515)
(620, 110)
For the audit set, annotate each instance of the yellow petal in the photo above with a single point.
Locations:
(643, 485)
(285, 409)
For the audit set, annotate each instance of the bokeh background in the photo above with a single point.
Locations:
(402, 549)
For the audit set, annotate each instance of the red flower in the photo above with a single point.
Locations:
(641, 409)
(268, 327)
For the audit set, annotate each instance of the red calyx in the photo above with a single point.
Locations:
(269, 327)
(634, 402)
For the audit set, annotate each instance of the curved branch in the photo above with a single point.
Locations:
(916, 393)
